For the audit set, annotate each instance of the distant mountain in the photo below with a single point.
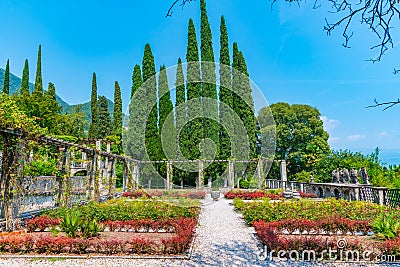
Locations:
(15, 85)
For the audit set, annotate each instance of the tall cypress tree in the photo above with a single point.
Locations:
(137, 80)
(180, 107)
(166, 129)
(195, 125)
(149, 79)
(194, 133)
(134, 140)
(104, 127)
(166, 106)
(93, 127)
(6, 85)
(25, 80)
(247, 114)
(181, 120)
(117, 119)
(208, 86)
(38, 89)
(225, 92)
(242, 99)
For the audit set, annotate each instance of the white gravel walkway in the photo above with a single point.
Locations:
(222, 240)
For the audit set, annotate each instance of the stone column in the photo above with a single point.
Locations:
(111, 177)
(91, 172)
(283, 172)
(231, 176)
(169, 176)
(135, 175)
(125, 177)
(200, 179)
(260, 172)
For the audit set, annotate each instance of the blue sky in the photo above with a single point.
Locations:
(289, 56)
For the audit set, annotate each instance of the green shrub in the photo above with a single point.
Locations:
(122, 210)
(386, 226)
(309, 209)
(70, 223)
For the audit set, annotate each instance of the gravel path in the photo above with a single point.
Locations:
(222, 240)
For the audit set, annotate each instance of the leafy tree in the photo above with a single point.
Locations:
(300, 136)
(225, 92)
(149, 72)
(117, 117)
(73, 124)
(6, 86)
(93, 128)
(104, 118)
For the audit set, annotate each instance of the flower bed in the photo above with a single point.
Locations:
(309, 210)
(159, 193)
(248, 195)
(113, 227)
(43, 243)
(121, 210)
(271, 194)
(303, 226)
(327, 226)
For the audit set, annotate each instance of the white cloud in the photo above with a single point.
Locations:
(355, 137)
(329, 124)
(334, 139)
(383, 134)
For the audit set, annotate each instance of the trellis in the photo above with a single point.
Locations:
(100, 169)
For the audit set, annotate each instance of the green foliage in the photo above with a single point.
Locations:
(310, 209)
(12, 117)
(41, 167)
(74, 225)
(70, 223)
(302, 176)
(90, 228)
(122, 209)
(386, 226)
(6, 86)
(117, 115)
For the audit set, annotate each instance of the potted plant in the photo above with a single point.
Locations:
(215, 193)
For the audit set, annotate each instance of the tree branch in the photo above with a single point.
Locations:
(184, 2)
(387, 105)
